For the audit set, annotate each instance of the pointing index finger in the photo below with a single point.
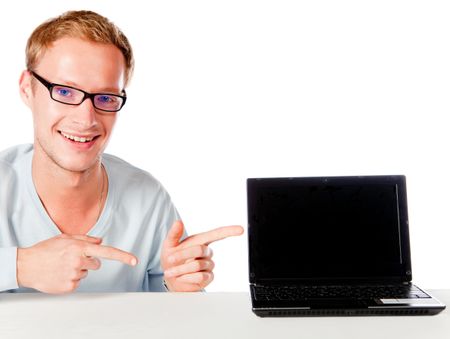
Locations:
(112, 253)
(206, 238)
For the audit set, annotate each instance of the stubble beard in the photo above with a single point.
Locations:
(56, 161)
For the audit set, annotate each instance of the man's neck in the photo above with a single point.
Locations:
(73, 200)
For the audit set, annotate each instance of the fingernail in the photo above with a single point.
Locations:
(208, 252)
(133, 262)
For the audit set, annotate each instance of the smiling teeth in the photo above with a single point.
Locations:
(75, 138)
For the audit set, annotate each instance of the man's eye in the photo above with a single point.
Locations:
(65, 92)
(106, 99)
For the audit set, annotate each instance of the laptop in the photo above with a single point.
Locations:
(332, 246)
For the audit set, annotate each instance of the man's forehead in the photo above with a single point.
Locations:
(79, 63)
(80, 85)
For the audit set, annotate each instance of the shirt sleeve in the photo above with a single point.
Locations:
(8, 247)
(8, 268)
(167, 215)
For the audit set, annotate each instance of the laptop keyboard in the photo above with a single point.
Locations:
(347, 292)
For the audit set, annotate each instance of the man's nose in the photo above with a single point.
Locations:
(85, 114)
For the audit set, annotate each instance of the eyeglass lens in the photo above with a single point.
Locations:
(72, 96)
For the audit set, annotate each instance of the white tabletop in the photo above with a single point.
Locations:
(192, 315)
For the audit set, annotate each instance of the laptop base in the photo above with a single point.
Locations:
(345, 312)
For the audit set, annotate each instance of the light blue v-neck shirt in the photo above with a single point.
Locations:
(136, 218)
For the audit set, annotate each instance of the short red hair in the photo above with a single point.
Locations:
(78, 24)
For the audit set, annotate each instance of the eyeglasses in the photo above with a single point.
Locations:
(68, 95)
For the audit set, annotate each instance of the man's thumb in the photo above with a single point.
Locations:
(174, 235)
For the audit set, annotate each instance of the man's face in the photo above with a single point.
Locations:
(89, 66)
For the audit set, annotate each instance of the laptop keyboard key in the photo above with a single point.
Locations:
(347, 292)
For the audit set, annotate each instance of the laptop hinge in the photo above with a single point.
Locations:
(255, 284)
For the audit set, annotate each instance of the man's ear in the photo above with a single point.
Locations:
(25, 89)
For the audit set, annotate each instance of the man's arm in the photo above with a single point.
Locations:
(58, 264)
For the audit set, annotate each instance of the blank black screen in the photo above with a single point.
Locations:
(328, 231)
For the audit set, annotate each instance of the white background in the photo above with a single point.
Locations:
(225, 90)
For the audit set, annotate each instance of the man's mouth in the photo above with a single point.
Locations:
(77, 138)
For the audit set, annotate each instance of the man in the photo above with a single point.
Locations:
(64, 205)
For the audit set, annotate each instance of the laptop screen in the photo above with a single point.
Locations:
(332, 229)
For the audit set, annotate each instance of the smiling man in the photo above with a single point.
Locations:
(64, 205)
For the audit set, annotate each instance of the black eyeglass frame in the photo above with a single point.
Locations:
(49, 85)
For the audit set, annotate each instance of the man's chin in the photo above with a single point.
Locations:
(77, 166)
(67, 159)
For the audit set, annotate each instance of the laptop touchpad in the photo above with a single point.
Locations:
(421, 301)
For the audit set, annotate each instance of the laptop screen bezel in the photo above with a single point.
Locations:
(405, 275)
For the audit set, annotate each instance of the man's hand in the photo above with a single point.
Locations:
(58, 264)
(187, 264)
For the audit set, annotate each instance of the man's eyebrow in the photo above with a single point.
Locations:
(101, 90)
